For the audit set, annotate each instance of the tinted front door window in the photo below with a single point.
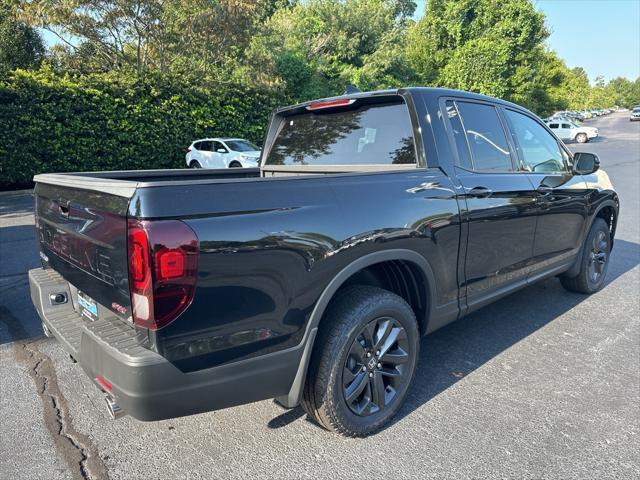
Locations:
(538, 149)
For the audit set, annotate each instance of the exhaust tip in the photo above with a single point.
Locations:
(114, 410)
(47, 332)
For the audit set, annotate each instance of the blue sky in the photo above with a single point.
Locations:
(602, 36)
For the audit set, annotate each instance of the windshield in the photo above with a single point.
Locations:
(241, 146)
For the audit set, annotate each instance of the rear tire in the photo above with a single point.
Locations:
(582, 138)
(363, 362)
(594, 261)
(195, 164)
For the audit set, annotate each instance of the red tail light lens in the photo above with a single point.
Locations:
(163, 267)
(170, 264)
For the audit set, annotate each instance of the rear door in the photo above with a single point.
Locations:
(562, 197)
(500, 202)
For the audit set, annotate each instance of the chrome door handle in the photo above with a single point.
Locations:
(479, 192)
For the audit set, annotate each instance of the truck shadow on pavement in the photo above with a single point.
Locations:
(455, 351)
(15, 205)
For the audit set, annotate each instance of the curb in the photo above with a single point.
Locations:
(16, 192)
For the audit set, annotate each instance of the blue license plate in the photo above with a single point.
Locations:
(88, 306)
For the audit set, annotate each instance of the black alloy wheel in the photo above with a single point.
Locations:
(598, 256)
(363, 362)
(374, 368)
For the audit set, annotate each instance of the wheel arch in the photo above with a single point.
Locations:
(608, 211)
(412, 259)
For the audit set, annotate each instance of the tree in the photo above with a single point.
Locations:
(493, 47)
(20, 44)
(624, 92)
(315, 48)
(187, 36)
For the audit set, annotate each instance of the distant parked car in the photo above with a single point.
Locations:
(568, 130)
(222, 153)
(635, 114)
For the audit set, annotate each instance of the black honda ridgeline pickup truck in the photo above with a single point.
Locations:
(373, 219)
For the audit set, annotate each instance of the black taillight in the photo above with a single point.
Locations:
(163, 267)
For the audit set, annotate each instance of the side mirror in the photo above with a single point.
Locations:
(585, 163)
(221, 150)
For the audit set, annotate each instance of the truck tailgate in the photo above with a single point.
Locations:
(83, 236)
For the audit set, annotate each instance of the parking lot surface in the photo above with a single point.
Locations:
(543, 383)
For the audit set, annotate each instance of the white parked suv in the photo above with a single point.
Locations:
(567, 130)
(222, 153)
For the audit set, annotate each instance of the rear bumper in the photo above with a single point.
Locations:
(145, 384)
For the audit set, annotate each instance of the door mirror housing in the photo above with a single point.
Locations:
(585, 163)
(221, 150)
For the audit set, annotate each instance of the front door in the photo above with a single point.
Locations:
(206, 153)
(219, 154)
(562, 197)
(500, 203)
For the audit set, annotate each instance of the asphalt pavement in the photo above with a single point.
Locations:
(541, 384)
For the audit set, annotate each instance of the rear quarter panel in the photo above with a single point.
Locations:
(269, 247)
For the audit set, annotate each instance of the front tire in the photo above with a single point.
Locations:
(582, 138)
(594, 261)
(363, 363)
(235, 165)
(195, 164)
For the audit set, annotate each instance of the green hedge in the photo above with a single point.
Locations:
(53, 123)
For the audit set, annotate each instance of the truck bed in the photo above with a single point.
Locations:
(124, 183)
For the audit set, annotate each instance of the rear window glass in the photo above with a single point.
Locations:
(374, 134)
(242, 146)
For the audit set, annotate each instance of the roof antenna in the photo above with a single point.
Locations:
(349, 89)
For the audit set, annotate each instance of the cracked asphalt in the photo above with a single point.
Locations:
(543, 383)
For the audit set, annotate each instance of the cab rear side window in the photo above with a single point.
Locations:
(367, 134)
(464, 157)
(485, 136)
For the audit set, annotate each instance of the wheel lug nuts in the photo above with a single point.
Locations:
(371, 374)
(379, 365)
(364, 369)
(368, 354)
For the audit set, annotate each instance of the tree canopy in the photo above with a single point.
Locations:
(310, 48)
